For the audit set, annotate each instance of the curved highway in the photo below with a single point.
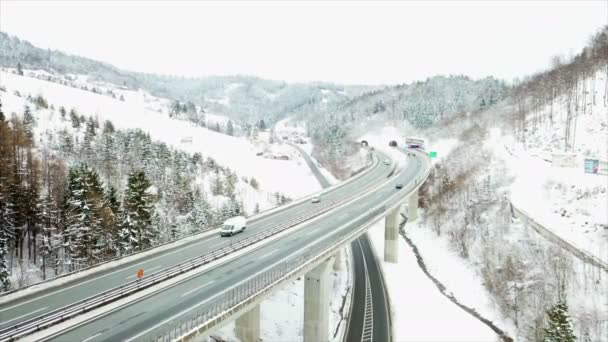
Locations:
(371, 302)
(41, 302)
(145, 318)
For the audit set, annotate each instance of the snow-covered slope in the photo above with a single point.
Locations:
(136, 112)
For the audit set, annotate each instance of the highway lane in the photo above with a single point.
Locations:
(145, 318)
(364, 258)
(44, 301)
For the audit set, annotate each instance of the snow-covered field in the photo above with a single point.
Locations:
(420, 312)
(135, 112)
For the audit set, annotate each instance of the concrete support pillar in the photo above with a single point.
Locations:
(391, 236)
(316, 304)
(412, 206)
(247, 326)
(338, 260)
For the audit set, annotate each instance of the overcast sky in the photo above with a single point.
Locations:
(343, 42)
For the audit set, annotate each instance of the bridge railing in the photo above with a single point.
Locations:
(247, 293)
(72, 310)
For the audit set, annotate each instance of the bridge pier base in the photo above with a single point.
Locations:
(412, 206)
(391, 236)
(316, 303)
(247, 326)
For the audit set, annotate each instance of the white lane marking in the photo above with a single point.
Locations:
(268, 254)
(197, 288)
(231, 287)
(148, 270)
(27, 314)
(178, 249)
(90, 338)
(105, 275)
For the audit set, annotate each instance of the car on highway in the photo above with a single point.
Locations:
(399, 186)
(316, 199)
(387, 162)
(233, 225)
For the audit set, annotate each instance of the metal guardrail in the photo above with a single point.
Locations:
(565, 244)
(74, 309)
(44, 321)
(254, 218)
(247, 293)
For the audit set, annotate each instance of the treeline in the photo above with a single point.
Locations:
(538, 99)
(123, 194)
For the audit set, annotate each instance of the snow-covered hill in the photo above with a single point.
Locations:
(140, 110)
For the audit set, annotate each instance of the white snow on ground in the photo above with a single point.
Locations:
(412, 293)
(460, 278)
(282, 312)
(237, 153)
(420, 312)
(566, 200)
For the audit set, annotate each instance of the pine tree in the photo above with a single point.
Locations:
(256, 210)
(84, 210)
(262, 125)
(560, 327)
(230, 128)
(19, 69)
(62, 112)
(29, 122)
(217, 127)
(7, 228)
(74, 118)
(2, 117)
(137, 231)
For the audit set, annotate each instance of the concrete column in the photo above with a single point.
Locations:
(412, 206)
(391, 236)
(316, 304)
(338, 260)
(247, 326)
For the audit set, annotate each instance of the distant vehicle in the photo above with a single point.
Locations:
(387, 162)
(399, 186)
(392, 143)
(316, 199)
(233, 225)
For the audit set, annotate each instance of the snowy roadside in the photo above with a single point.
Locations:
(420, 312)
(567, 201)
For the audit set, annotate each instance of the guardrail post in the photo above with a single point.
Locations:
(316, 303)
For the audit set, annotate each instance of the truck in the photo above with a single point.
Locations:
(233, 225)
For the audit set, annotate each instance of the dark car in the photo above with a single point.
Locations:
(399, 186)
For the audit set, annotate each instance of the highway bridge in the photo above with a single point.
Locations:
(200, 285)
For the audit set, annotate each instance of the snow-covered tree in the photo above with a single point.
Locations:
(230, 128)
(137, 231)
(84, 205)
(559, 327)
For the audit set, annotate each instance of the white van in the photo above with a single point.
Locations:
(233, 225)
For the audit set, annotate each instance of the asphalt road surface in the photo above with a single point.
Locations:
(146, 317)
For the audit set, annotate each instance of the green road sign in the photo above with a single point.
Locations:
(433, 154)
